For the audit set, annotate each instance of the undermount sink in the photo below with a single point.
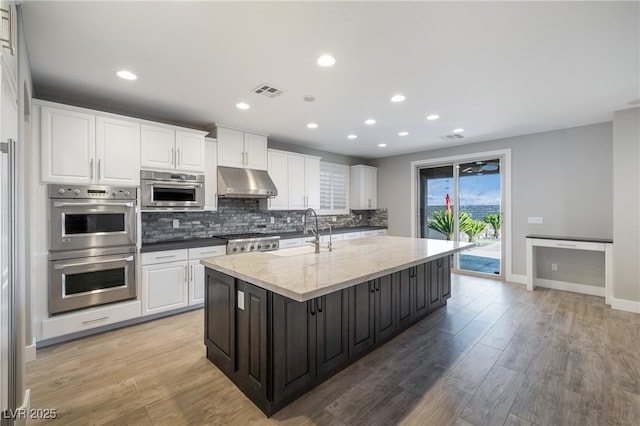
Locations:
(296, 251)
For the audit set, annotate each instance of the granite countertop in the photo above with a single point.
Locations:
(213, 241)
(304, 276)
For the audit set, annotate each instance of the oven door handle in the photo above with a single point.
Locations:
(62, 204)
(177, 185)
(68, 265)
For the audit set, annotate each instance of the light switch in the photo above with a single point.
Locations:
(536, 220)
(241, 300)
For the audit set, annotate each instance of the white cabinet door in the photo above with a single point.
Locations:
(312, 182)
(164, 287)
(278, 170)
(210, 175)
(230, 147)
(67, 146)
(157, 147)
(196, 282)
(255, 147)
(297, 186)
(117, 152)
(189, 151)
(364, 187)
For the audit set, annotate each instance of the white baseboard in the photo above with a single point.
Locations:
(30, 352)
(518, 279)
(567, 286)
(24, 408)
(625, 305)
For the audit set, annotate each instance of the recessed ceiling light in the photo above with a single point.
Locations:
(458, 130)
(312, 125)
(403, 133)
(397, 98)
(242, 105)
(352, 136)
(433, 117)
(370, 121)
(126, 75)
(326, 60)
(382, 145)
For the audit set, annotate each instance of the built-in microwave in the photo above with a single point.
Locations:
(169, 190)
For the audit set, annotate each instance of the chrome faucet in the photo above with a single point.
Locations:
(314, 230)
(330, 245)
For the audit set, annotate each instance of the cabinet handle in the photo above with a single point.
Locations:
(94, 320)
(91, 168)
(190, 273)
(377, 286)
(186, 274)
(99, 167)
(165, 257)
(372, 288)
(319, 304)
(178, 157)
(246, 159)
(311, 306)
(439, 262)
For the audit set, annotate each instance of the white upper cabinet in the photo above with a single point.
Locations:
(117, 152)
(190, 151)
(277, 168)
(80, 147)
(157, 149)
(169, 149)
(364, 187)
(304, 182)
(240, 149)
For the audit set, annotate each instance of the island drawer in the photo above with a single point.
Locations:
(164, 256)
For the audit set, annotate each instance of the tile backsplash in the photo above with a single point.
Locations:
(240, 216)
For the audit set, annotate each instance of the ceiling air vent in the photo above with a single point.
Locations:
(452, 137)
(267, 90)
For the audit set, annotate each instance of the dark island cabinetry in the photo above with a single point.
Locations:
(275, 349)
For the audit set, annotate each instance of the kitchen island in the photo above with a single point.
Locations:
(279, 323)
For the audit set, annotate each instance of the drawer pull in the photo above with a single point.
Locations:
(566, 245)
(94, 320)
(208, 252)
(166, 257)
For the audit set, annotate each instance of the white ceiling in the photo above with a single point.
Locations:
(495, 69)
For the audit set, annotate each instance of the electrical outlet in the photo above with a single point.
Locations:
(535, 220)
(334, 219)
(303, 218)
(554, 266)
(176, 223)
(273, 220)
(288, 219)
(359, 217)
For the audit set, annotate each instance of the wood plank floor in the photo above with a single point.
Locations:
(495, 355)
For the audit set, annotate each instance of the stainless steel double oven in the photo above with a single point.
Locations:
(92, 248)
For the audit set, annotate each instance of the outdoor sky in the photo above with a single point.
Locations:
(474, 190)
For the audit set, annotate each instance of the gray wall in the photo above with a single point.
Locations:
(565, 176)
(626, 214)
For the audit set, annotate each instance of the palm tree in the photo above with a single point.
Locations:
(475, 228)
(444, 223)
(495, 220)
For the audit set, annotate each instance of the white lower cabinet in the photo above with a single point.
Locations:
(196, 270)
(174, 279)
(164, 281)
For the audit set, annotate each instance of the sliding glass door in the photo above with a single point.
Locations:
(463, 201)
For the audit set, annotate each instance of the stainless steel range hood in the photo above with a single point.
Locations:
(245, 183)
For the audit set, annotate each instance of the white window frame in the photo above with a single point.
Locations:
(346, 170)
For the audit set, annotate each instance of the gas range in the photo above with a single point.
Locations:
(245, 243)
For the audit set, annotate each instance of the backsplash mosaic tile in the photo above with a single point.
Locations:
(240, 216)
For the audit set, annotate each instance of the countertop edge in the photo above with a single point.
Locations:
(350, 282)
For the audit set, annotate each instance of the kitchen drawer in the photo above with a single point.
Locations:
(373, 233)
(576, 245)
(163, 256)
(351, 235)
(336, 237)
(291, 242)
(87, 319)
(201, 252)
